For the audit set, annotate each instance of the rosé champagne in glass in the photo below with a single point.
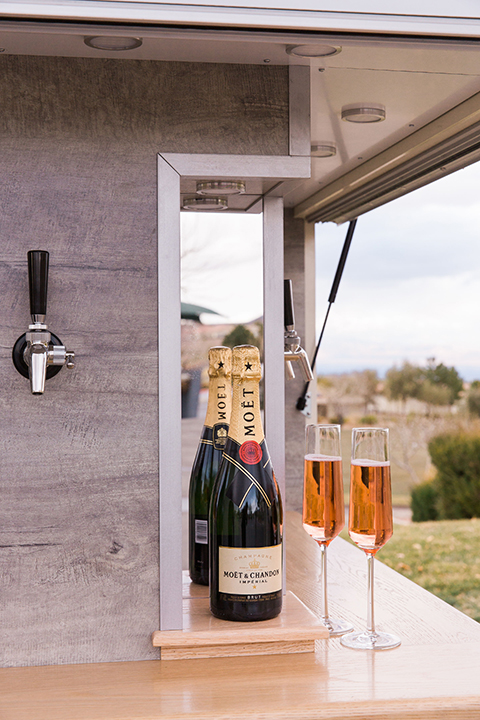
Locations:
(323, 507)
(370, 523)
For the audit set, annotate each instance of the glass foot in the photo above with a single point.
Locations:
(371, 641)
(337, 627)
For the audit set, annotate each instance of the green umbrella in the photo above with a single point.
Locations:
(193, 312)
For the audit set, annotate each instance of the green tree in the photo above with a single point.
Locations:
(240, 335)
(446, 378)
(434, 393)
(404, 382)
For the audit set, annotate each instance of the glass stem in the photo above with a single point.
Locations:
(370, 614)
(323, 549)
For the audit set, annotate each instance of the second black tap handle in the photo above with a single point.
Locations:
(38, 281)
(288, 312)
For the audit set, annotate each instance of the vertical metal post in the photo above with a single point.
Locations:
(169, 394)
(273, 330)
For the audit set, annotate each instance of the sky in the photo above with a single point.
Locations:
(410, 289)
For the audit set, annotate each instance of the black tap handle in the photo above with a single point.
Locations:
(288, 312)
(38, 281)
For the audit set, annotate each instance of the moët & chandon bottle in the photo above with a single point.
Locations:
(208, 458)
(245, 510)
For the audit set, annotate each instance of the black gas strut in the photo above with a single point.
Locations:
(302, 400)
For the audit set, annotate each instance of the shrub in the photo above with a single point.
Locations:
(473, 400)
(368, 420)
(457, 460)
(423, 502)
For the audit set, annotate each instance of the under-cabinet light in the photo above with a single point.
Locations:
(112, 42)
(363, 113)
(227, 187)
(323, 150)
(312, 51)
(205, 203)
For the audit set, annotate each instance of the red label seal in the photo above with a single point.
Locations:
(250, 452)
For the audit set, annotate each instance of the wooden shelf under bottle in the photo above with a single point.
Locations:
(293, 631)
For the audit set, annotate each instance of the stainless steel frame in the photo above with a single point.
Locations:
(170, 170)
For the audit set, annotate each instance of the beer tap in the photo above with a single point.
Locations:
(293, 350)
(39, 354)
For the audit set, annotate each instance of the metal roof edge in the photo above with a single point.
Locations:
(132, 11)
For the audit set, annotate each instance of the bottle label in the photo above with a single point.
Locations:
(250, 452)
(220, 434)
(201, 532)
(249, 475)
(250, 571)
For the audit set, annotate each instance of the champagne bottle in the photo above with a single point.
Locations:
(245, 510)
(207, 459)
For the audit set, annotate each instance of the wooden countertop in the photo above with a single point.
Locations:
(435, 673)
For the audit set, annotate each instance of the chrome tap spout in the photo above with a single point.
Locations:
(37, 364)
(299, 355)
(292, 348)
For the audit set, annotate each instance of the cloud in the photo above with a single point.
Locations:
(431, 232)
(411, 285)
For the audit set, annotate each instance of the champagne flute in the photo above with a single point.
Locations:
(323, 506)
(370, 522)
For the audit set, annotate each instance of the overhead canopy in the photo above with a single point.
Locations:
(416, 60)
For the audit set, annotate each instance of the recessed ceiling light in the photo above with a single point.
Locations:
(111, 42)
(226, 187)
(363, 113)
(205, 203)
(312, 51)
(323, 150)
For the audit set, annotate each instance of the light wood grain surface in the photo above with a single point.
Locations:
(433, 674)
(203, 635)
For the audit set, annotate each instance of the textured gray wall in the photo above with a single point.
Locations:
(79, 471)
(78, 529)
(181, 107)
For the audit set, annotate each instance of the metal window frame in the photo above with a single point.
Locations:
(171, 168)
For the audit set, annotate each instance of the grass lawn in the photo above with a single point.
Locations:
(443, 557)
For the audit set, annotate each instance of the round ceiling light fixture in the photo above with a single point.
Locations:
(226, 187)
(312, 51)
(323, 150)
(112, 42)
(363, 113)
(205, 203)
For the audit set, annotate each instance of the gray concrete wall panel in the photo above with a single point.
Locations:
(79, 569)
